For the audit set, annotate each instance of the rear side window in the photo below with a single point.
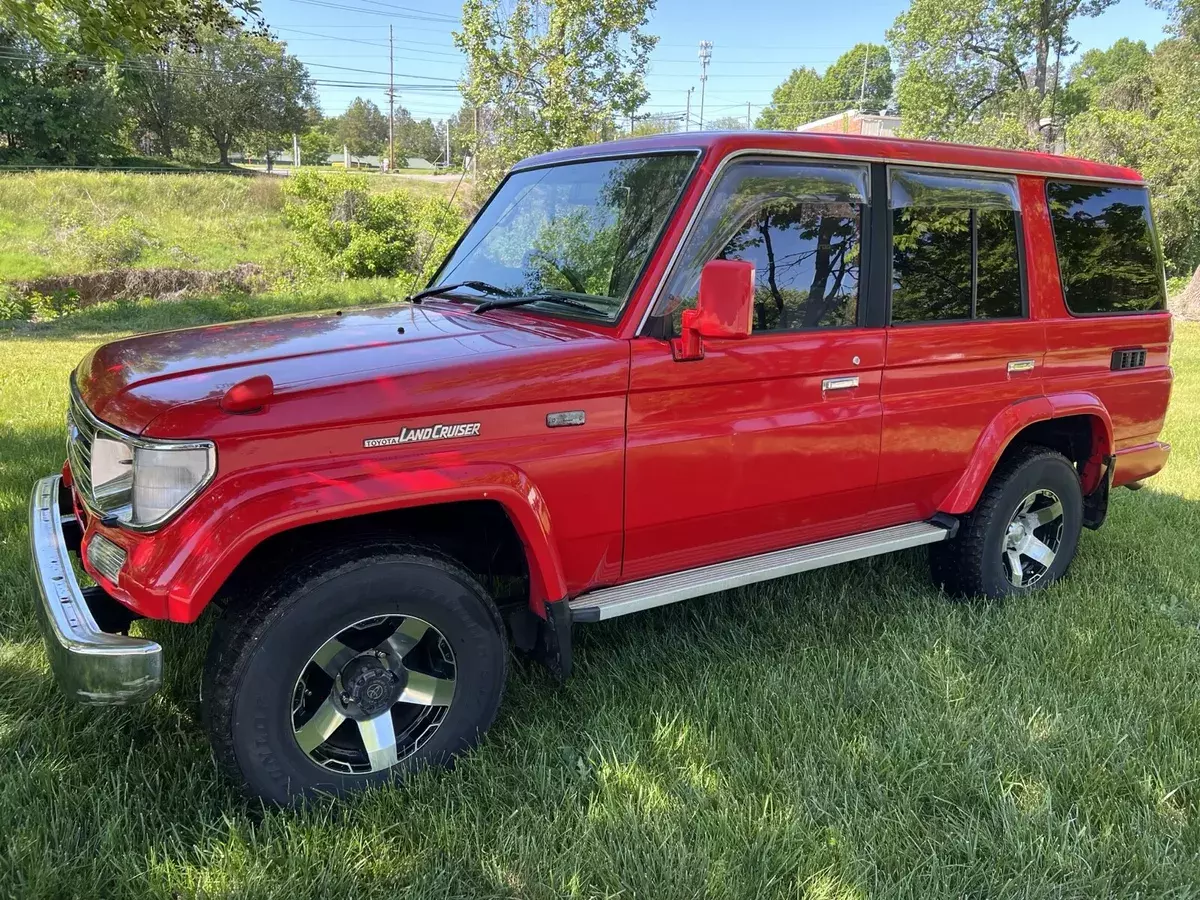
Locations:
(1107, 253)
(955, 247)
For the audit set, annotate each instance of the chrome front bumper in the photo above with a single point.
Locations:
(91, 666)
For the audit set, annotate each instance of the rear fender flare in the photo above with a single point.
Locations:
(237, 516)
(1014, 419)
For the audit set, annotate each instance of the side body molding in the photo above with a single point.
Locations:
(1010, 422)
(212, 538)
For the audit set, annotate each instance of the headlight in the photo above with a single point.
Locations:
(145, 484)
(165, 479)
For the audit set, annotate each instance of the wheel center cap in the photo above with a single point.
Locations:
(369, 686)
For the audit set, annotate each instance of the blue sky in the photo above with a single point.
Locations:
(344, 43)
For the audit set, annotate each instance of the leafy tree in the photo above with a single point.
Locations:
(552, 73)
(159, 99)
(861, 78)
(56, 106)
(246, 88)
(863, 72)
(726, 123)
(1143, 110)
(984, 70)
(801, 98)
(110, 28)
(316, 147)
(656, 125)
(363, 128)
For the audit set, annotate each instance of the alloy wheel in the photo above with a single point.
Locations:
(373, 694)
(1032, 538)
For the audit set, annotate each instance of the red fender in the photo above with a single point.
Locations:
(1009, 422)
(187, 561)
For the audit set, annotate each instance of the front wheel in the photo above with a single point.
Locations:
(1023, 533)
(352, 670)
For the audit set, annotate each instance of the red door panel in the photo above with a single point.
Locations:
(943, 384)
(745, 451)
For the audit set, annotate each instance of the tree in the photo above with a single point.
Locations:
(363, 128)
(1142, 109)
(861, 78)
(56, 106)
(726, 123)
(246, 88)
(553, 73)
(798, 100)
(315, 147)
(985, 70)
(111, 28)
(159, 101)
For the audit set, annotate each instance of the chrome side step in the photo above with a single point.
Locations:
(608, 603)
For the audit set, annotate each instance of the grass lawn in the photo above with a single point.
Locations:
(843, 734)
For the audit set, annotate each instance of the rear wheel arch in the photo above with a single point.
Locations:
(1076, 426)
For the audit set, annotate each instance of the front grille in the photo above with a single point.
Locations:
(81, 433)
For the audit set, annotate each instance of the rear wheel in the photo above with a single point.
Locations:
(353, 670)
(1023, 533)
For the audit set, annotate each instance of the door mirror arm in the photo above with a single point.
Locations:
(724, 308)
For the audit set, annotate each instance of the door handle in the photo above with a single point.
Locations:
(1020, 365)
(840, 384)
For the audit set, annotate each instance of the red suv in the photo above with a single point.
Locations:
(649, 370)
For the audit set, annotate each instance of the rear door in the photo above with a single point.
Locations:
(770, 441)
(961, 345)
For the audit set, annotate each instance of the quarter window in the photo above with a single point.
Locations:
(1107, 253)
(955, 247)
(801, 226)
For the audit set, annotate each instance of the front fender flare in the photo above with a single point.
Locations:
(1013, 419)
(189, 560)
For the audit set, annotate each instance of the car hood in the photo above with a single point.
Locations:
(128, 383)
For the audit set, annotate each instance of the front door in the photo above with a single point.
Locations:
(771, 441)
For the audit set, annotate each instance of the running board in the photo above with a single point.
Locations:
(608, 603)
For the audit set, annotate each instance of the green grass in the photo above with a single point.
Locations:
(61, 223)
(844, 734)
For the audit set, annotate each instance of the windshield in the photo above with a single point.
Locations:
(586, 228)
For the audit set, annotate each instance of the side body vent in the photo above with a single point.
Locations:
(1128, 359)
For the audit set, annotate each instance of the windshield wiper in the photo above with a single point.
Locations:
(482, 286)
(565, 298)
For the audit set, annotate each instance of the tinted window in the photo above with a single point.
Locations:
(1106, 249)
(955, 253)
(800, 225)
(586, 228)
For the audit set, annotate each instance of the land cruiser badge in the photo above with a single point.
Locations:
(428, 433)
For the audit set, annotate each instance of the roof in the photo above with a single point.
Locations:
(936, 153)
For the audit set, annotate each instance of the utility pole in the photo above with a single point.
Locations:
(391, 102)
(475, 154)
(447, 143)
(295, 151)
(687, 116)
(862, 94)
(747, 115)
(706, 48)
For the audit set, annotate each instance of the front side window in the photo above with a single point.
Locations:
(801, 226)
(1107, 254)
(581, 230)
(955, 247)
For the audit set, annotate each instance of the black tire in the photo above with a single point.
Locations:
(972, 564)
(262, 643)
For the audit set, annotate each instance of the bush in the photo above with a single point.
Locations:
(347, 230)
(116, 243)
